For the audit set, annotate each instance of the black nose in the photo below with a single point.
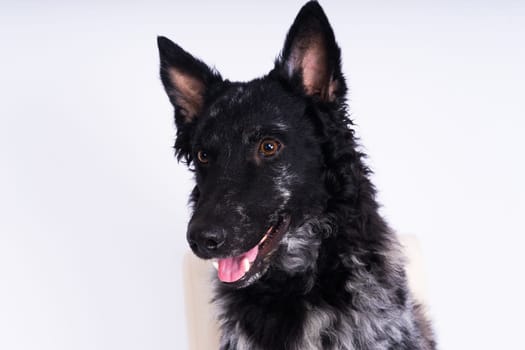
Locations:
(205, 241)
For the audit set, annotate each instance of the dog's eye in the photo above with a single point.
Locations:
(202, 156)
(269, 147)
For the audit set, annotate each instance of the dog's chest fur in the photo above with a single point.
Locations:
(330, 329)
(362, 313)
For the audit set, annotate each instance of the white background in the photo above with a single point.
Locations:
(93, 204)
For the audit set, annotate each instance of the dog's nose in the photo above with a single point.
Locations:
(205, 241)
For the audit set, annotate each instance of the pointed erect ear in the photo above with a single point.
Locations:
(185, 78)
(311, 55)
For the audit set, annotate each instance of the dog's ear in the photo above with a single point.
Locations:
(311, 57)
(186, 80)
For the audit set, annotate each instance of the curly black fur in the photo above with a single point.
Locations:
(336, 279)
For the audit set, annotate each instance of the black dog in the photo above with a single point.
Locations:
(284, 203)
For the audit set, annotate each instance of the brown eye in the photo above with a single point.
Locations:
(269, 147)
(202, 156)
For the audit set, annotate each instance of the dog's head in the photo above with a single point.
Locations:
(256, 148)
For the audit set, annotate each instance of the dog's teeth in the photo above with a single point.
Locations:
(215, 264)
(263, 239)
(246, 264)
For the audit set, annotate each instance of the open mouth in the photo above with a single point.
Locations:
(250, 264)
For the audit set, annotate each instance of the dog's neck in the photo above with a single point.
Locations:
(337, 282)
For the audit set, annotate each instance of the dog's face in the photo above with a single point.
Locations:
(256, 147)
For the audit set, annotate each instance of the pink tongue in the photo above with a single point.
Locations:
(232, 269)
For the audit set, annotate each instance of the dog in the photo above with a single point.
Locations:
(284, 206)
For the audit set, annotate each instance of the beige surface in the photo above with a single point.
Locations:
(202, 329)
